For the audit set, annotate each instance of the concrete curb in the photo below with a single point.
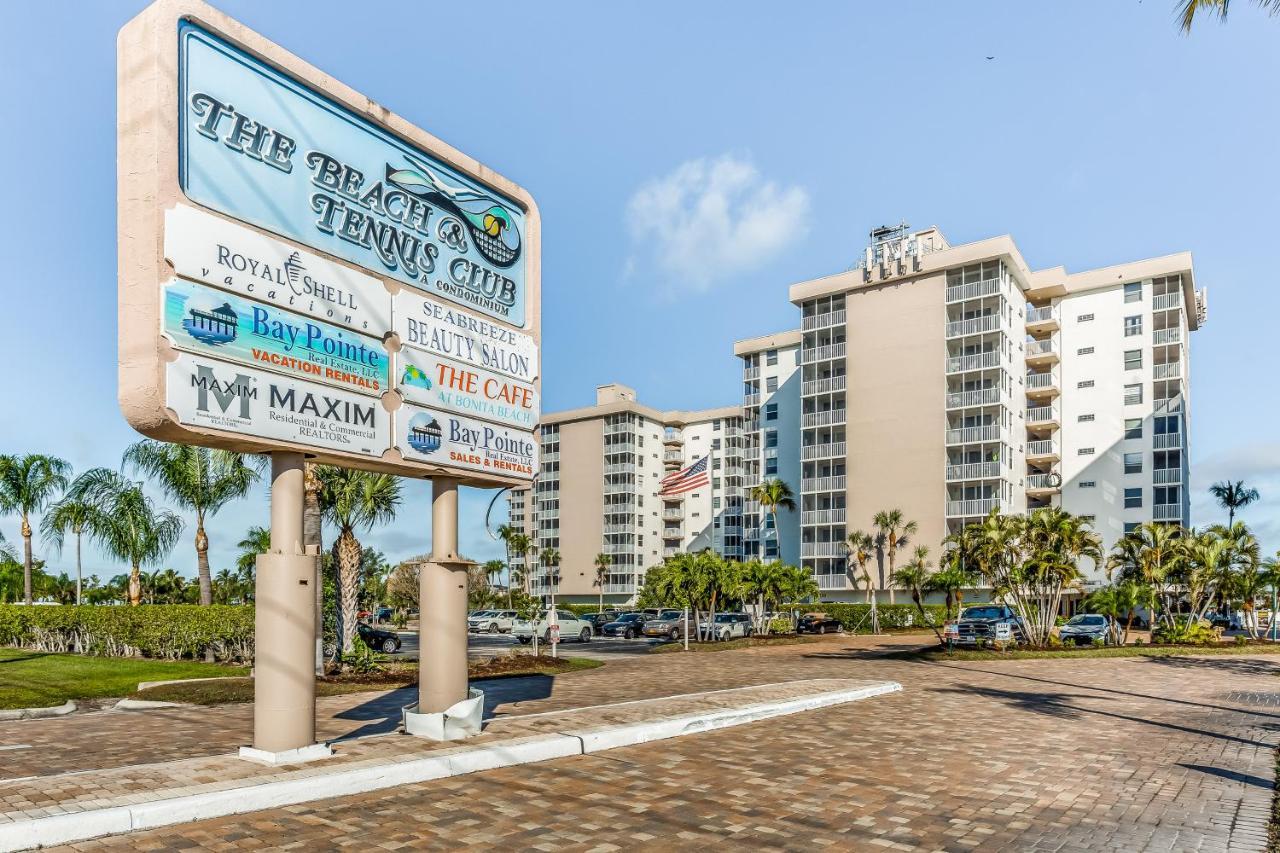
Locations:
(340, 781)
(147, 685)
(38, 713)
(144, 705)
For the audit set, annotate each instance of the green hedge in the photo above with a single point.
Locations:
(891, 615)
(169, 631)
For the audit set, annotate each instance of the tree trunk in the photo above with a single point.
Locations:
(79, 571)
(135, 586)
(348, 548)
(26, 560)
(893, 556)
(1128, 625)
(202, 564)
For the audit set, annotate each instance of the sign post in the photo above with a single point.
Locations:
(304, 273)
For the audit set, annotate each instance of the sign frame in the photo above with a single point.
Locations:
(148, 185)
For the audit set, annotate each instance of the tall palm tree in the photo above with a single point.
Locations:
(773, 494)
(353, 500)
(507, 533)
(1188, 9)
(763, 583)
(894, 531)
(603, 562)
(914, 577)
(959, 569)
(550, 559)
(519, 544)
(1233, 496)
(197, 479)
(126, 523)
(256, 541)
(1150, 556)
(861, 546)
(73, 516)
(27, 485)
(493, 571)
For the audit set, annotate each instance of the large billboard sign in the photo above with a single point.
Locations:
(301, 269)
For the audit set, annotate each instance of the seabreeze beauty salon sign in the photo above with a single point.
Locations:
(259, 147)
(439, 328)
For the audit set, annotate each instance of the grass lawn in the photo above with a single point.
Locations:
(391, 677)
(936, 654)
(42, 680)
(737, 643)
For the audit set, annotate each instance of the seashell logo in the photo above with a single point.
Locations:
(424, 433)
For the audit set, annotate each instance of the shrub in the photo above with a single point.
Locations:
(892, 616)
(1194, 633)
(780, 625)
(169, 631)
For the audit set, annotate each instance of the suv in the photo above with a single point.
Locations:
(491, 621)
(571, 628)
(987, 623)
(668, 623)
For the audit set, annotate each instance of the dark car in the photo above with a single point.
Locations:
(628, 626)
(378, 639)
(818, 623)
(599, 620)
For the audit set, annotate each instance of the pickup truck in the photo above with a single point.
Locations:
(987, 623)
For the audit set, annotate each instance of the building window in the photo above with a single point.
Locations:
(715, 463)
(1133, 291)
(771, 357)
(1168, 495)
(1089, 518)
(771, 465)
(771, 438)
(1085, 451)
(1133, 463)
(771, 384)
(1133, 359)
(1084, 418)
(715, 503)
(1133, 498)
(771, 412)
(1133, 325)
(1085, 351)
(1088, 484)
(1133, 427)
(1086, 383)
(1133, 394)
(1167, 424)
(1084, 318)
(715, 425)
(1130, 526)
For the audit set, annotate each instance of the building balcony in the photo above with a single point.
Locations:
(972, 508)
(1041, 352)
(673, 533)
(831, 450)
(1171, 335)
(670, 552)
(827, 418)
(973, 471)
(1166, 476)
(619, 547)
(731, 551)
(1042, 484)
(619, 528)
(620, 468)
(1168, 404)
(1169, 370)
(976, 290)
(968, 399)
(1043, 417)
(973, 326)
(751, 400)
(1042, 450)
(823, 549)
(749, 373)
(618, 429)
(621, 588)
(1167, 440)
(1043, 319)
(1042, 384)
(823, 516)
(831, 580)
(823, 321)
(822, 386)
(977, 361)
(973, 435)
(673, 514)
(619, 488)
(673, 457)
(1166, 512)
(734, 432)
(823, 484)
(1167, 301)
(827, 352)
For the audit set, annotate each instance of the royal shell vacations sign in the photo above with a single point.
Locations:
(272, 223)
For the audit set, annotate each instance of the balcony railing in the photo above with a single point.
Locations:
(980, 397)
(733, 432)
(618, 429)
(749, 373)
(1171, 335)
(672, 514)
(1036, 381)
(823, 451)
(822, 549)
(971, 435)
(823, 516)
(619, 528)
(619, 488)
(1043, 481)
(1167, 476)
(981, 506)
(973, 471)
(1035, 349)
(977, 361)
(623, 588)
(1168, 404)
(1171, 370)
(1042, 414)
(771, 453)
(823, 484)
(1043, 314)
(673, 456)
(1167, 440)
(1167, 512)
(1167, 301)
(823, 321)
(751, 399)
(973, 326)
(1042, 447)
(620, 468)
(823, 386)
(673, 436)
(976, 290)
(619, 547)
(673, 533)
(817, 419)
(823, 353)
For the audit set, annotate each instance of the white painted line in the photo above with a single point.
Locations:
(12, 746)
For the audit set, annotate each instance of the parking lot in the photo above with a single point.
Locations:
(489, 645)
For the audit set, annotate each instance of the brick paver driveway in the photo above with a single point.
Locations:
(1065, 755)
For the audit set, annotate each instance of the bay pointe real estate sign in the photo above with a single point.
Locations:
(301, 269)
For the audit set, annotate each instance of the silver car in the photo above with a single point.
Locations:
(491, 622)
(1084, 629)
(727, 626)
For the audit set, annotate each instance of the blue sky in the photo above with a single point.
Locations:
(691, 161)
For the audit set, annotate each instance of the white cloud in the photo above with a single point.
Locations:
(1259, 466)
(710, 219)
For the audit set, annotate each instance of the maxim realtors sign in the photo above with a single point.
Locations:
(303, 270)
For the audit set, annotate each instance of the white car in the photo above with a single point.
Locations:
(571, 628)
(491, 622)
(727, 626)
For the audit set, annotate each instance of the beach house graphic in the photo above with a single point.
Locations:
(214, 327)
(424, 433)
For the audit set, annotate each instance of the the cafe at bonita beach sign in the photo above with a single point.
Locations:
(301, 269)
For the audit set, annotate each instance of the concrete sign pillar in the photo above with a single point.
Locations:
(442, 611)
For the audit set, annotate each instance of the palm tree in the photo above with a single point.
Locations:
(1233, 496)
(507, 532)
(1149, 556)
(1271, 579)
(773, 494)
(125, 523)
(763, 582)
(1119, 600)
(353, 500)
(256, 541)
(893, 532)
(1188, 9)
(603, 561)
(27, 485)
(959, 568)
(861, 546)
(550, 559)
(69, 515)
(197, 479)
(519, 544)
(914, 577)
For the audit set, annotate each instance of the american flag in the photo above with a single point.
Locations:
(686, 479)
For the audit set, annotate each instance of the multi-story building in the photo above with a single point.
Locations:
(603, 465)
(949, 381)
(771, 407)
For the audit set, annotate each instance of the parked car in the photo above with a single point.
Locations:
(1084, 629)
(378, 639)
(1230, 621)
(628, 626)
(727, 626)
(818, 623)
(571, 628)
(668, 623)
(492, 622)
(599, 620)
(986, 623)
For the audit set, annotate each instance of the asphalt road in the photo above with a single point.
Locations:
(488, 645)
